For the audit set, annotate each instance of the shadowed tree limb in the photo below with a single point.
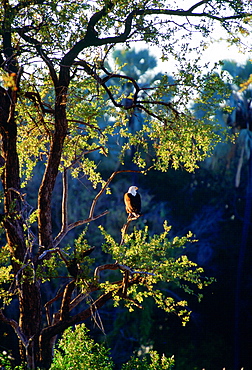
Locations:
(65, 304)
(16, 328)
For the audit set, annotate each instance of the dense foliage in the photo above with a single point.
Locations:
(60, 103)
(77, 350)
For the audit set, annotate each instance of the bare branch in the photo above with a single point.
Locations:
(64, 212)
(77, 300)
(117, 75)
(108, 266)
(62, 234)
(125, 283)
(126, 226)
(16, 328)
(86, 124)
(47, 309)
(65, 304)
(116, 266)
(38, 47)
(42, 255)
(60, 326)
(197, 5)
(135, 102)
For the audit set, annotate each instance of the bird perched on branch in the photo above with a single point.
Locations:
(132, 202)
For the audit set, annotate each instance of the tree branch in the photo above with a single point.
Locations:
(86, 124)
(65, 304)
(64, 211)
(135, 102)
(63, 233)
(47, 309)
(36, 99)
(108, 266)
(16, 328)
(90, 38)
(157, 102)
(197, 5)
(23, 4)
(60, 326)
(77, 300)
(126, 226)
(129, 299)
(138, 12)
(38, 47)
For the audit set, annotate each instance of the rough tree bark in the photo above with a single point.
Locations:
(29, 291)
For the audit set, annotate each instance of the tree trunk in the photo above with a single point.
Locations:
(51, 171)
(28, 289)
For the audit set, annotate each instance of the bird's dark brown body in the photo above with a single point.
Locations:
(132, 202)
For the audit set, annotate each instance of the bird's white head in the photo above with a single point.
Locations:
(132, 190)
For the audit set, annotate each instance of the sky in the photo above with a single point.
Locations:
(218, 50)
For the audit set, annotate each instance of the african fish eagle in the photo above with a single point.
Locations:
(132, 202)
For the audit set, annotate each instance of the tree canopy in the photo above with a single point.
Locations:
(56, 86)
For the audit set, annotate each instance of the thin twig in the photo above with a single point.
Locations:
(64, 200)
(62, 234)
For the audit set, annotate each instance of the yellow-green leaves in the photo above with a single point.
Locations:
(76, 350)
(6, 277)
(156, 259)
(9, 80)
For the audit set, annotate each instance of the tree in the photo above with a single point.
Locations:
(138, 65)
(54, 76)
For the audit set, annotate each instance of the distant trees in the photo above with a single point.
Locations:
(228, 175)
(241, 122)
(54, 77)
